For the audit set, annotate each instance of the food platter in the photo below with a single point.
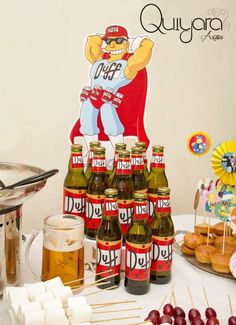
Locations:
(179, 234)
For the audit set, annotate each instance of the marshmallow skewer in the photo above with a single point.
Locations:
(100, 290)
(116, 310)
(89, 285)
(96, 306)
(86, 277)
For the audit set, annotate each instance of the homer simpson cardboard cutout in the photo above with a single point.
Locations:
(113, 103)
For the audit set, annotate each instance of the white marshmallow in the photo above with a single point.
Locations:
(62, 293)
(55, 282)
(52, 304)
(16, 294)
(35, 289)
(79, 315)
(35, 317)
(15, 306)
(55, 316)
(23, 308)
(43, 297)
(77, 300)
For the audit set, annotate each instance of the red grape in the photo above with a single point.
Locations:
(193, 314)
(232, 320)
(152, 319)
(197, 321)
(180, 321)
(178, 311)
(168, 309)
(165, 319)
(212, 321)
(154, 314)
(210, 312)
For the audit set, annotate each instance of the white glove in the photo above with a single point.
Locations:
(135, 42)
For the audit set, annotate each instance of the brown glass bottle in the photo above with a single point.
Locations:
(124, 184)
(157, 177)
(109, 241)
(138, 249)
(97, 184)
(90, 158)
(137, 166)
(143, 145)
(118, 147)
(163, 237)
(75, 184)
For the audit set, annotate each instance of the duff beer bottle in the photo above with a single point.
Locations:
(90, 158)
(97, 184)
(75, 184)
(137, 166)
(118, 146)
(109, 241)
(138, 248)
(124, 184)
(144, 147)
(157, 177)
(163, 238)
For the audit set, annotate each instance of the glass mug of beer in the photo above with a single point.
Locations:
(63, 249)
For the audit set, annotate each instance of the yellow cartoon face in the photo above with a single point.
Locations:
(116, 47)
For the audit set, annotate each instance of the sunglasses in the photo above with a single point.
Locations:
(119, 40)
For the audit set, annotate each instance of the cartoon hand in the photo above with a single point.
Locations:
(136, 42)
(95, 40)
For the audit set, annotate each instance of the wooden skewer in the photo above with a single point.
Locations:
(223, 247)
(100, 290)
(173, 293)
(190, 296)
(208, 230)
(112, 319)
(205, 295)
(116, 310)
(230, 305)
(145, 321)
(86, 277)
(107, 304)
(162, 303)
(89, 285)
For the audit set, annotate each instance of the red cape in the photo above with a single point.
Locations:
(130, 111)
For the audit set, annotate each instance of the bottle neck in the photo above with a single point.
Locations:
(76, 163)
(163, 207)
(140, 212)
(98, 164)
(90, 157)
(137, 162)
(123, 166)
(158, 162)
(110, 207)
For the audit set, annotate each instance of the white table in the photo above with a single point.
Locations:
(183, 275)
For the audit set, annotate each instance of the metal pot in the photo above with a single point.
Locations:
(10, 245)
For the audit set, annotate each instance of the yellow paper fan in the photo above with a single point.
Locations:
(223, 162)
(199, 143)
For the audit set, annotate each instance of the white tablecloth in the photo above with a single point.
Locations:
(183, 275)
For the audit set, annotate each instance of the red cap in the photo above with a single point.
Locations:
(115, 31)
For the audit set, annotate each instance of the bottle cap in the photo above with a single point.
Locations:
(163, 190)
(137, 150)
(111, 192)
(140, 196)
(141, 144)
(94, 144)
(99, 150)
(157, 148)
(124, 153)
(76, 147)
(120, 146)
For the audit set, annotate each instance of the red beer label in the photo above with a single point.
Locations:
(126, 208)
(163, 204)
(110, 207)
(140, 211)
(116, 156)
(123, 167)
(137, 162)
(152, 200)
(90, 156)
(76, 160)
(108, 257)
(138, 261)
(94, 209)
(98, 165)
(158, 160)
(162, 251)
(74, 202)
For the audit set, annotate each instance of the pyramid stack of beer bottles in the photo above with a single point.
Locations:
(214, 243)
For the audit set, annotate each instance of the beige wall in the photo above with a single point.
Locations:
(42, 68)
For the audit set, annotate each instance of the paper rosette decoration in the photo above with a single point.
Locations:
(223, 162)
(199, 143)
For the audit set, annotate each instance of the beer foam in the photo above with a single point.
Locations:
(64, 233)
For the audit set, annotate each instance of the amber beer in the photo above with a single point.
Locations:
(143, 145)
(63, 249)
(163, 238)
(138, 248)
(118, 147)
(90, 158)
(157, 177)
(109, 241)
(137, 166)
